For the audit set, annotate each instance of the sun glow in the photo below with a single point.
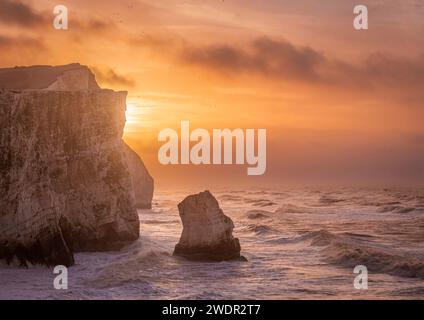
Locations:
(137, 115)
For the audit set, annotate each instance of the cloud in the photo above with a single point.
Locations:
(154, 42)
(24, 15)
(21, 42)
(111, 77)
(264, 56)
(281, 60)
(18, 13)
(394, 70)
(93, 26)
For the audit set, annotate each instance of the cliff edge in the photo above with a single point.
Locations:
(65, 182)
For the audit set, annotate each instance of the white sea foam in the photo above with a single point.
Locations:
(302, 244)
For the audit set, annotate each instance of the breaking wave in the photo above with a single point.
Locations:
(350, 250)
(260, 202)
(258, 214)
(291, 208)
(128, 269)
(259, 229)
(396, 209)
(329, 200)
(231, 197)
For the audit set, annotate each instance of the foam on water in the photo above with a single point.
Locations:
(300, 243)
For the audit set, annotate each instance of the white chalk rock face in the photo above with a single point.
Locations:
(142, 182)
(64, 179)
(207, 231)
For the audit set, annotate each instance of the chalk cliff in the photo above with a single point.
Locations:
(207, 231)
(65, 183)
(142, 181)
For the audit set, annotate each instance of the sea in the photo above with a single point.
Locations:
(300, 243)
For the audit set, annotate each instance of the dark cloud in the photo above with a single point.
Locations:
(21, 42)
(24, 15)
(111, 77)
(93, 25)
(393, 70)
(264, 56)
(279, 59)
(18, 13)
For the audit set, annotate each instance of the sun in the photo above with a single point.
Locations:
(137, 115)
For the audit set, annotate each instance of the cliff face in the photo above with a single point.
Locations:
(142, 182)
(64, 179)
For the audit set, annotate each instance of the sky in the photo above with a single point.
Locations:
(340, 106)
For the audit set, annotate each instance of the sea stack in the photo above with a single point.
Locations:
(65, 181)
(207, 232)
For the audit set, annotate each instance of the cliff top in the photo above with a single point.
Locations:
(71, 77)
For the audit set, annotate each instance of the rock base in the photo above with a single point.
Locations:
(223, 251)
(51, 250)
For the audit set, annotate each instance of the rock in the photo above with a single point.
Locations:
(64, 179)
(207, 231)
(142, 182)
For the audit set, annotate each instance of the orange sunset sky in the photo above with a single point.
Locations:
(340, 106)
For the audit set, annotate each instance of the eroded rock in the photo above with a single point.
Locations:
(207, 231)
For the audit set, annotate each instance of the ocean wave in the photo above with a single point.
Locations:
(128, 269)
(304, 237)
(278, 193)
(389, 203)
(318, 238)
(349, 250)
(291, 208)
(151, 211)
(352, 249)
(408, 292)
(258, 192)
(258, 214)
(374, 203)
(329, 200)
(260, 202)
(204, 295)
(419, 209)
(396, 209)
(376, 260)
(230, 197)
(259, 228)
